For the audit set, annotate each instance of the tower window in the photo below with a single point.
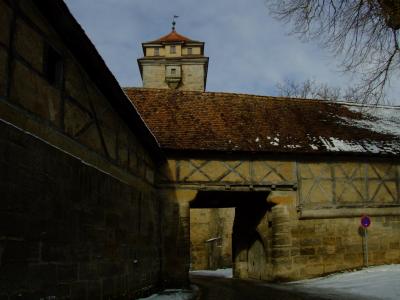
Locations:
(172, 49)
(156, 51)
(189, 51)
(52, 66)
(173, 71)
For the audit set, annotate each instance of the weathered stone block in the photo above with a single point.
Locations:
(154, 77)
(313, 270)
(307, 251)
(310, 242)
(392, 255)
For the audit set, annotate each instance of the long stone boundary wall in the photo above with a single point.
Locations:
(69, 230)
(79, 212)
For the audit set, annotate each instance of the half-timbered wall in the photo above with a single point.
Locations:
(79, 212)
(74, 109)
(316, 212)
(220, 173)
(342, 184)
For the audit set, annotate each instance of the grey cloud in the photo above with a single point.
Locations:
(249, 51)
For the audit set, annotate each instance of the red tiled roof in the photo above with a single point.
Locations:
(238, 122)
(173, 36)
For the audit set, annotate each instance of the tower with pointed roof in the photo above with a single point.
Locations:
(174, 62)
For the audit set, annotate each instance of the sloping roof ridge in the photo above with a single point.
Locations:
(173, 36)
(254, 96)
(275, 98)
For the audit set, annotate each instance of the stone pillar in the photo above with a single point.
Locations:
(176, 236)
(283, 215)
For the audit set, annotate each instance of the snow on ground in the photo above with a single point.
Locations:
(381, 282)
(172, 294)
(225, 273)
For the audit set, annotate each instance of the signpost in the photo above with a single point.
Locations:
(365, 222)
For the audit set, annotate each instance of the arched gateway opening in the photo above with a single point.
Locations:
(231, 229)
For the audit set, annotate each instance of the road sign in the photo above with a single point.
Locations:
(365, 221)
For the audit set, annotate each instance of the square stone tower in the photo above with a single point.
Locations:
(174, 62)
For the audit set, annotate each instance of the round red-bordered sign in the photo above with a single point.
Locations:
(365, 221)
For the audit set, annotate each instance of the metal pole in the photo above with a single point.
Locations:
(366, 247)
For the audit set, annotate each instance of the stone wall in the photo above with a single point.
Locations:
(192, 75)
(69, 230)
(211, 238)
(323, 233)
(313, 224)
(153, 76)
(80, 215)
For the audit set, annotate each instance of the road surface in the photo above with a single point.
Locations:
(219, 288)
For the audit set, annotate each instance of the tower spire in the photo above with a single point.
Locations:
(173, 22)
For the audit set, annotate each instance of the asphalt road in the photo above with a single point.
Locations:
(218, 288)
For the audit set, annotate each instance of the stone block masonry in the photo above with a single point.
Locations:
(69, 230)
(313, 226)
(79, 213)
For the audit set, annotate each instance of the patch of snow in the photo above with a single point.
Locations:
(225, 273)
(274, 143)
(375, 282)
(313, 147)
(276, 139)
(257, 139)
(292, 146)
(385, 120)
(171, 294)
(372, 148)
(334, 144)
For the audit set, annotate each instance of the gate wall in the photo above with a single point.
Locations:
(317, 205)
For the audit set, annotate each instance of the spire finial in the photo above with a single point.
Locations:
(173, 22)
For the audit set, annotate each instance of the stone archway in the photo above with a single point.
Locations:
(259, 215)
(250, 215)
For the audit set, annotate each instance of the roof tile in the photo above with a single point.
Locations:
(238, 122)
(173, 36)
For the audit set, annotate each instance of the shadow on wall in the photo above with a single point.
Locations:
(251, 235)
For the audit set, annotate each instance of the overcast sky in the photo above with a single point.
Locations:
(249, 51)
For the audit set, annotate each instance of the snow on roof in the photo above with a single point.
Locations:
(207, 121)
(381, 119)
